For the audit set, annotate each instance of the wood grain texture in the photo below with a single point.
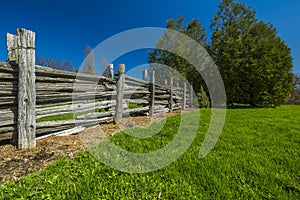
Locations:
(120, 93)
(26, 89)
(171, 103)
(12, 47)
(152, 90)
(184, 96)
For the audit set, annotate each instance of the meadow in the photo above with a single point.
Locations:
(257, 157)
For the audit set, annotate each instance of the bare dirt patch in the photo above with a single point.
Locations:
(15, 163)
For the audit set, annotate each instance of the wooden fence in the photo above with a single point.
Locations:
(36, 101)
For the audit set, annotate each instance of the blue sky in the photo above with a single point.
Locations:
(64, 28)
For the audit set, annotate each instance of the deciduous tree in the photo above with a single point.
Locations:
(55, 64)
(89, 61)
(177, 66)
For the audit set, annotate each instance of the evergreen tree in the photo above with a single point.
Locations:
(254, 61)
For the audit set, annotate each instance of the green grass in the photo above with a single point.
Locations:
(256, 157)
(133, 105)
(67, 116)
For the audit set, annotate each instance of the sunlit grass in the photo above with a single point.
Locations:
(256, 157)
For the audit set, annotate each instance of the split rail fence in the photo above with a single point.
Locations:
(36, 101)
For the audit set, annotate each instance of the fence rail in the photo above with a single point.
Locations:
(63, 102)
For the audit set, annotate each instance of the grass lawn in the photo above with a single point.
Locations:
(256, 157)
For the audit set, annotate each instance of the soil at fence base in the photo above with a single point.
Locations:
(16, 163)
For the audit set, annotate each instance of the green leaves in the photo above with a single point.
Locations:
(180, 66)
(254, 62)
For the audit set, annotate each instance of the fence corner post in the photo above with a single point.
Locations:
(152, 91)
(26, 123)
(120, 93)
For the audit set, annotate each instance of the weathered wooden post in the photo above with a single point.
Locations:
(145, 74)
(184, 96)
(120, 93)
(166, 81)
(12, 51)
(152, 91)
(21, 51)
(192, 96)
(111, 71)
(12, 48)
(171, 94)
